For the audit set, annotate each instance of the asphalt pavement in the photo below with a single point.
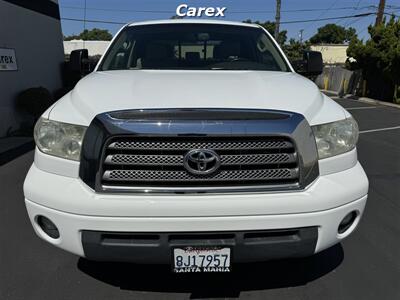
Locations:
(364, 266)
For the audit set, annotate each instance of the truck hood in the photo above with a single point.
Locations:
(140, 89)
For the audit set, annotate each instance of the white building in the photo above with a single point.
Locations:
(31, 53)
(94, 47)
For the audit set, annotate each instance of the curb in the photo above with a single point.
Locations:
(330, 93)
(361, 99)
(371, 101)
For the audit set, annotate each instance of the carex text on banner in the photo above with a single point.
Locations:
(185, 10)
(8, 61)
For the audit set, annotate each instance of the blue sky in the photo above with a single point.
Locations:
(238, 10)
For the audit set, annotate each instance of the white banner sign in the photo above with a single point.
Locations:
(8, 61)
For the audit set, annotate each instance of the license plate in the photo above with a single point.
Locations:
(201, 259)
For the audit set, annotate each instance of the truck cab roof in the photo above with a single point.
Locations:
(193, 21)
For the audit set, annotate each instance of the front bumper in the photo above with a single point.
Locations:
(72, 226)
(76, 209)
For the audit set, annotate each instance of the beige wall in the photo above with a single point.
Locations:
(332, 54)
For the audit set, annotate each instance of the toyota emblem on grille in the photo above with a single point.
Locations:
(201, 161)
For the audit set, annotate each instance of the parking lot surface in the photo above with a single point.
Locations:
(365, 266)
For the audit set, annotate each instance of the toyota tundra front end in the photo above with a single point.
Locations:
(195, 144)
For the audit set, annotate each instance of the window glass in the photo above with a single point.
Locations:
(193, 47)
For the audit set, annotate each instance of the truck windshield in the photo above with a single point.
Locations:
(193, 47)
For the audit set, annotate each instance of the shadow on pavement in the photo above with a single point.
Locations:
(245, 277)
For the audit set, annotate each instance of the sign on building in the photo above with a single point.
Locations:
(8, 60)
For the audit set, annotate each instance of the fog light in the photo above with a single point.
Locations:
(48, 227)
(347, 221)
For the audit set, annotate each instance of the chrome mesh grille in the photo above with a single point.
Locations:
(253, 159)
(129, 159)
(176, 160)
(240, 145)
(159, 162)
(157, 176)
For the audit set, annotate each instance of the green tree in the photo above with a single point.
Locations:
(294, 49)
(333, 34)
(270, 27)
(95, 34)
(380, 55)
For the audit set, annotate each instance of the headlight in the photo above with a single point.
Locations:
(59, 139)
(336, 138)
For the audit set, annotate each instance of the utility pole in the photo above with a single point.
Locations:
(84, 21)
(301, 35)
(277, 18)
(381, 11)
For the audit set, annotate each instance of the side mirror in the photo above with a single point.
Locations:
(311, 64)
(78, 61)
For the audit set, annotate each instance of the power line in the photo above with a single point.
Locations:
(95, 21)
(365, 28)
(351, 22)
(370, 7)
(232, 12)
(324, 9)
(323, 13)
(358, 3)
(283, 22)
(117, 10)
(331, 18)
(392, 14)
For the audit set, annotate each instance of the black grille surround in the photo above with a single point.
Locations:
(143, 152)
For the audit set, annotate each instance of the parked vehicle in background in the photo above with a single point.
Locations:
(196, 144)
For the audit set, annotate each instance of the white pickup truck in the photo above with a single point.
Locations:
(195, 143)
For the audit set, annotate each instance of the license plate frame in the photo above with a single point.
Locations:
(202, 265)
